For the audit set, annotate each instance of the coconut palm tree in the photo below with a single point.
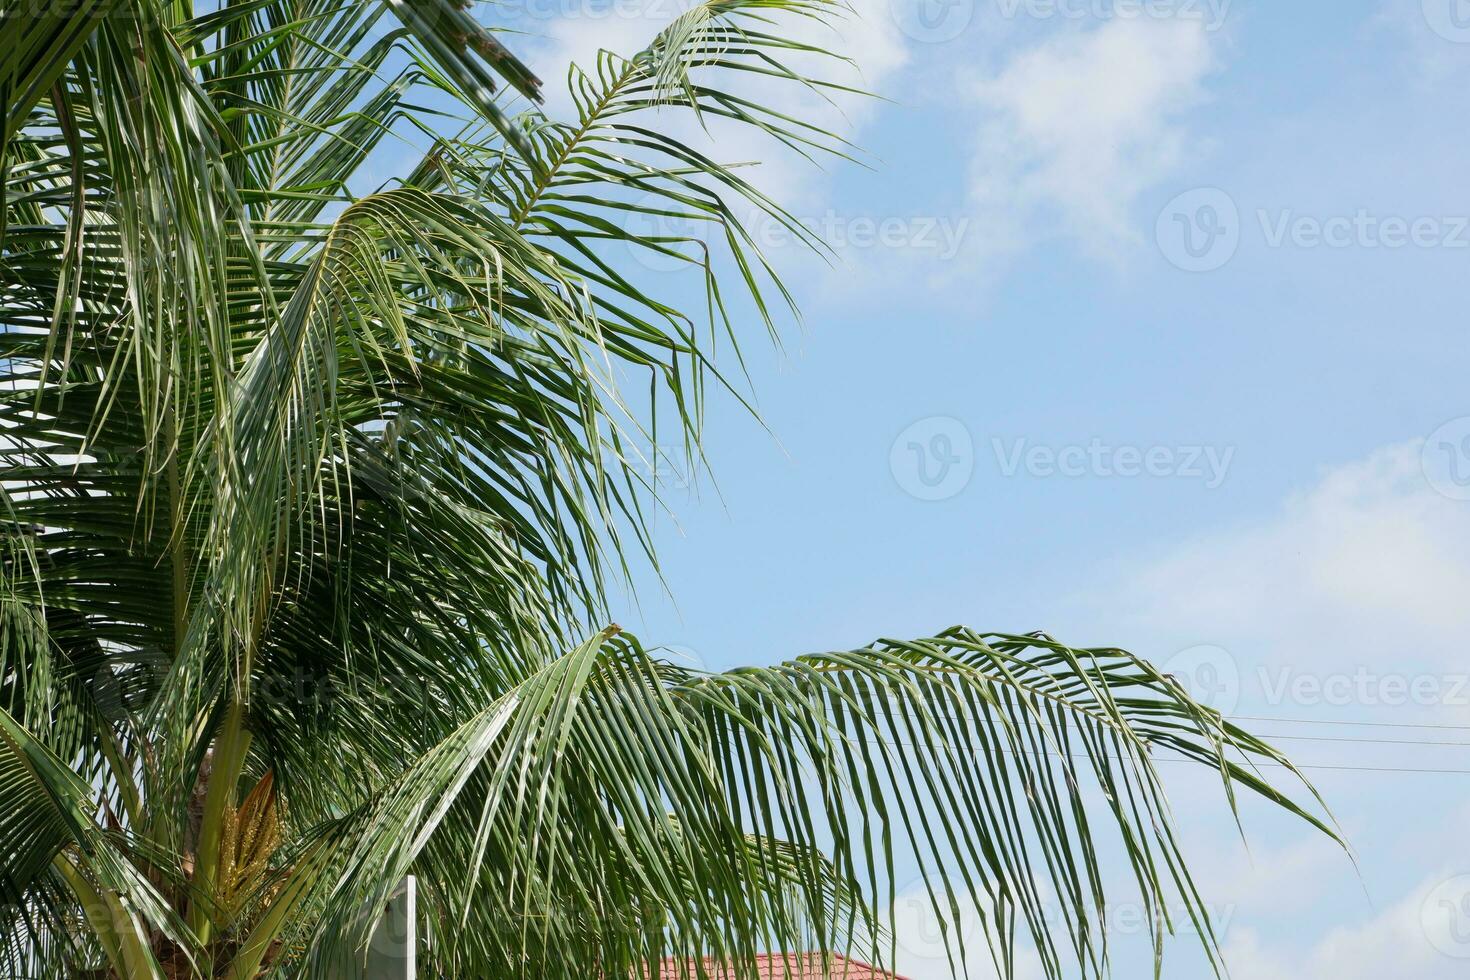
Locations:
(311, 495)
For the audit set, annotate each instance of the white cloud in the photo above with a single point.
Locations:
(925, 942)
(1074, 129)
(1436, 35)
(1365, 567)
(1424, 937)
(1265, 879)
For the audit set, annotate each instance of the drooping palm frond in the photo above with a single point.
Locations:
(53, 838)
(614, 809)
(472, 57)
(307, 489)
(39, 41)
(590, 180)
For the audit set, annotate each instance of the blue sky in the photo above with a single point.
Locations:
(1146, 329)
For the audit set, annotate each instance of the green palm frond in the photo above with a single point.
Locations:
(312, 478)
(51, 833)
(39, 42)
(613, 808)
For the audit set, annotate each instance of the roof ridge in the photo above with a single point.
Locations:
(791, 961)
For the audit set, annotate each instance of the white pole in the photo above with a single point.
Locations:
(393, 948)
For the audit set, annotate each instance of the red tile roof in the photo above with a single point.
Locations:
(797, 966)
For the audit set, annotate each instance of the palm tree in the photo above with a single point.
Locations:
(310, 498)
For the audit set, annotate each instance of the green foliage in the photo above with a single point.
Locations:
(309, 496)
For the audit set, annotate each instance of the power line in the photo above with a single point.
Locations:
(941, 715)
(944, 716)
(1364, 724)
(1245, 763)
(1358, 741)
(1276, 765)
